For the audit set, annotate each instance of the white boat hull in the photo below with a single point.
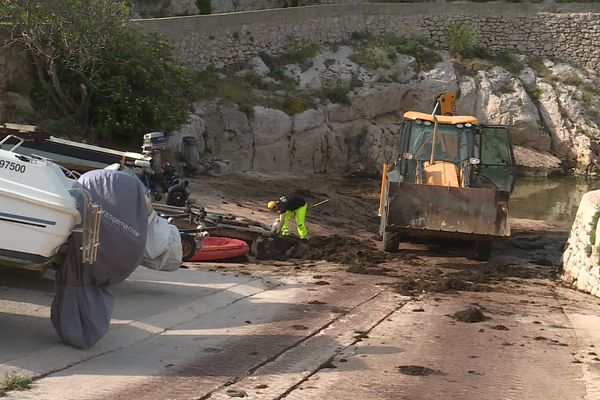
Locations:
(32, 229)
(37, 211)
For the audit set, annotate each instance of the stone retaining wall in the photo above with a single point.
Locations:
(224, 6)
(581, 259)
(564, 31)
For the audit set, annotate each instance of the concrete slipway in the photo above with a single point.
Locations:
(221, 333)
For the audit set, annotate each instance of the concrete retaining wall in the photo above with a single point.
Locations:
(564, 31)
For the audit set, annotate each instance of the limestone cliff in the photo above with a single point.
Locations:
(551, 109)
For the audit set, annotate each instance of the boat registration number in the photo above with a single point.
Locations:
(13, 166)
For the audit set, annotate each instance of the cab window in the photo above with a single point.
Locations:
(497, 159)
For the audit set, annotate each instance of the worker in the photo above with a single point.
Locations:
(289, 206)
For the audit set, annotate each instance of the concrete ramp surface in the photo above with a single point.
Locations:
(307, 331)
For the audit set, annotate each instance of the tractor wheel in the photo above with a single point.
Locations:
(482, 250)
(188, 246)
(177, 196)
(391, 241)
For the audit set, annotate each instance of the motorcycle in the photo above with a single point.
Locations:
(165, 184)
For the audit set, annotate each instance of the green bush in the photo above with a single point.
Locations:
(593, 225)
(14, 382)
(293, 105)
(462, 39)
(376, 52)
(425, 58)
(534, 92)
(470, 67)
(507, 88)
(360, 35)
(374, 56)
(296, 3)
(411, 47)
(204, 6)
(383, 51)
(537, 64)
(299, 52)
(338, 94)
(480, 51)
(104, 74)
(356, 82)
(509, 62)
(571, 79)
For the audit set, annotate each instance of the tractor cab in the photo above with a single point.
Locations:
(450, 176)
(455, 151)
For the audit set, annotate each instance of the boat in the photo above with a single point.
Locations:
(220, 248)
(38, 210)
(72, 155)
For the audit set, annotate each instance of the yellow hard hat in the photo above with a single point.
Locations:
(271, 205)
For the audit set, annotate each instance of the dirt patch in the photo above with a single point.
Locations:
(236, 393)
(366, 270)
(360, 256)
(299, 327)
(434, 283)
(339, 249)
(417, 370)
(275, 248)
(500, 328)
(470, 315)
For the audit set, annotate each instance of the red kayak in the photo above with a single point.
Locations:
(220, 248)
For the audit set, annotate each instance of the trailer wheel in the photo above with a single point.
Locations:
(188, 246)
(391, 241)
(482, 250)
(177, 196)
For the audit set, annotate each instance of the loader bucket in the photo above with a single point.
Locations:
(460, 212)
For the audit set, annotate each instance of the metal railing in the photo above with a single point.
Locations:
(16, 146)
(90, 226)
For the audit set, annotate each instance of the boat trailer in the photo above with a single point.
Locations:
(193, 221)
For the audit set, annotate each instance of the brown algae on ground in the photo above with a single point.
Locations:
(470, 315)
(417, 370)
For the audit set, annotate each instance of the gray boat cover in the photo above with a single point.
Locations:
(83, 304)
(163, 245)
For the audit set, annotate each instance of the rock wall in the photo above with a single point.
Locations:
(314, 141)
(581, 259)
(359, 135)
(565, 31)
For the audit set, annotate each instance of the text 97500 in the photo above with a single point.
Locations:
(12, 166)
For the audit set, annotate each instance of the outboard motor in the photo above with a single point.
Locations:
(83, 304)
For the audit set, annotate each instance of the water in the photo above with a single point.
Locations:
(550, 199)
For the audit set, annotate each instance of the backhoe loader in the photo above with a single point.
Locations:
(450, 176)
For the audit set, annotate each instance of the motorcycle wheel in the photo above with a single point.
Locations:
(177, 196)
